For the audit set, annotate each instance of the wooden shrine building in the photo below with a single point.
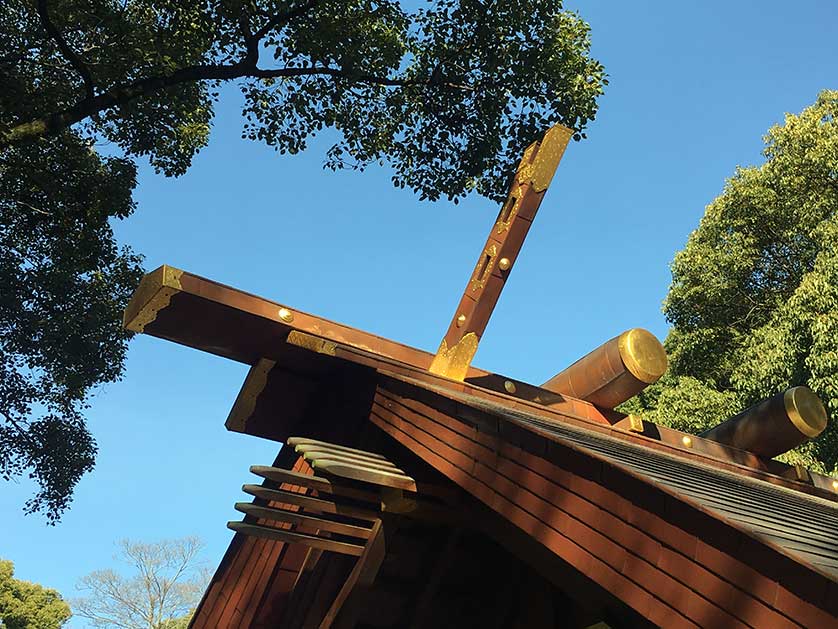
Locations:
(416, 490)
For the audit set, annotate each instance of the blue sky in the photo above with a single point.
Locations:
(694, 86)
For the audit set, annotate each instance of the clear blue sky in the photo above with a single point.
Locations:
(694, 86)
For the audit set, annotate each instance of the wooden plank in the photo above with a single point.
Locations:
(299, 519)
(282, 535)
(319, 484)
(635, 597)
(315, 452)
(363, 574)
(311, 454)
(194, 311)
(232, 579)
(498, 255)
(364, 474)
(309, 503)
(699, 578)
(301, 443)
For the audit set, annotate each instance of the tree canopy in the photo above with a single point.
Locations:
(754, 295)
(25, 605)
(446, 95)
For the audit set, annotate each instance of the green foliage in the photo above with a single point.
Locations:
(25, 605)
(447, 96)
(63, 284)
(754, 296)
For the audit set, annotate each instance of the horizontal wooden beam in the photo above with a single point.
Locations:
(302, 444)
(298, 518)
(197, 312)
(319, 484)
(312, 541)
(309, 503)
(364, 474)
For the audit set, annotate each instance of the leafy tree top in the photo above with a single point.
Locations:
(754, 295)
(447, 94)
(25, 605)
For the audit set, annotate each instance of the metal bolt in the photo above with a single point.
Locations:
(510, 386)
(504, 264)
(286, 315)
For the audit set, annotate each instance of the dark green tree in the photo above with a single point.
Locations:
(446, 95)
(25, 605)
(754, 295)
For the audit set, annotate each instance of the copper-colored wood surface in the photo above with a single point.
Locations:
(775, 425)
(363, 574)
(615, 371)
(284, 535)
(307, 502)
(621, 542)
(250, 570)
(215, 318)
(499, 255)
(319, 484)
(299, 518)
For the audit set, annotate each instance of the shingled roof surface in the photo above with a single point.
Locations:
(802, 525)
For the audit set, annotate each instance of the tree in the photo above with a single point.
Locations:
(162, 592)
(25, 605)
(447, 95)
(754, 295)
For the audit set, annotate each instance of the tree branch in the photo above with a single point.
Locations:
(65, 49)
(282, 18)
(124, 94)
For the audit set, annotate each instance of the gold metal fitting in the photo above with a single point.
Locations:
(635, 423)
(504, 264)
(835, 485)
(510, 386)
(805, 410)
(687, 441)
(643, 355)
(461, 320)
(286, 315)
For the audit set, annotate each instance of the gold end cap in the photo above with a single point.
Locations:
(152, 295)
(805, 410)
(643, 355)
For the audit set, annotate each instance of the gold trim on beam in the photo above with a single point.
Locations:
(454, 362)
(152, 295)
(311, 342)
(548, 156)
(252, 388)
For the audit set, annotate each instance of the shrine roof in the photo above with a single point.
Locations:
(801, 525)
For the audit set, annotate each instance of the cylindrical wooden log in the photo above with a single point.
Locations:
(775, 425)
(615, 371)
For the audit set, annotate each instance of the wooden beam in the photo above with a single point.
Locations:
(498, 256)
(364, 474)
(299, 519)
(319, 484)
(309, 503)
(193, 311)
(301, 444)
(283, 535)
(363, 574)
